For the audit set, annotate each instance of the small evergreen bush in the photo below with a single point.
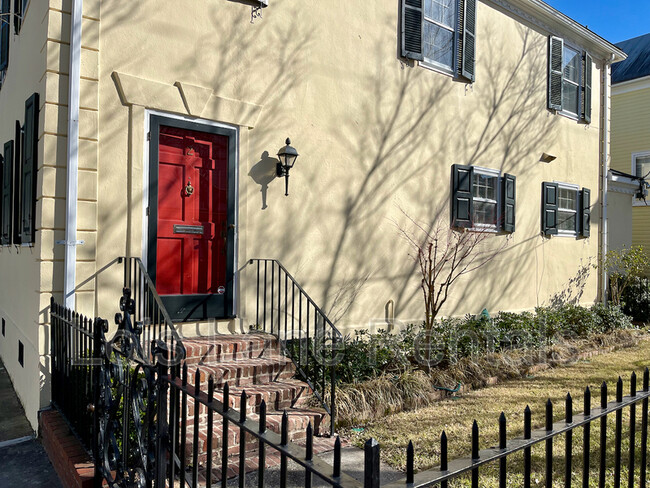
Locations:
(636, 299)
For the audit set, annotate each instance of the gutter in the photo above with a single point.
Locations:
(73, 155)
(604, 174)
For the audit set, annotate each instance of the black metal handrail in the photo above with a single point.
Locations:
(308, 337)
(149, 312)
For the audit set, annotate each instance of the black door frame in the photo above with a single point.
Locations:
(183, 308)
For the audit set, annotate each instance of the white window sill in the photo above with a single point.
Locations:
(637, 203)
(438, 69)
(566, 233)
(568, 115)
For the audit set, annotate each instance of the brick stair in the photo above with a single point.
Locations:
(254, 364)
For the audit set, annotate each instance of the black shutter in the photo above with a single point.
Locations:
(549, 208)
(509, 183)
(18, 148)
(462, 202)
(7, 180)
(585, 218)
(5, 9)
(468, 46)
(412, 18)
(586, 106)
(18, 15)
(29, 169)
(556, 46)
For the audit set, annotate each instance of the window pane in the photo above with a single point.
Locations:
(484, 186)
(567, 199)
(438, 44)
(642, 166)
(442, 11)
(570, 97)
(571, 64)
(566, 220)
(485, 213)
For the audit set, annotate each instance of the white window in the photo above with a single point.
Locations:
(641, 168)
(439, 33)
(571, 68)
(567, 209)
(485, 192)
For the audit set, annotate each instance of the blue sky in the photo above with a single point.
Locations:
(615, 20)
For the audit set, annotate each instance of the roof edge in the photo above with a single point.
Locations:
(541, 10)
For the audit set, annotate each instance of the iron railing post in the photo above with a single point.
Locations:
(371, 464)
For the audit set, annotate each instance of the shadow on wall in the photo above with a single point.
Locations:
(263, 172)
(403, 162)
(402, 148)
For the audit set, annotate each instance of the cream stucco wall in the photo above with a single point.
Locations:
(20, 266)
(376, 136)
(630, 135)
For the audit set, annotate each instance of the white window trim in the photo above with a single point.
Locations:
(430, 63)
(642, 154)
(576, 188)
(580, 83)
(495, 173)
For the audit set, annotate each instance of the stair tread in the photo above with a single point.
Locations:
(262, 360)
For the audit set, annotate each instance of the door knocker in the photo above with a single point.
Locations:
(189, 189)
(190, 151)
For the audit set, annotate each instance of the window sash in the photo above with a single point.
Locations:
(567, 210)
(485, 192)
(442, 57)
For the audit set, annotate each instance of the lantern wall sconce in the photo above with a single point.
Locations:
(287, 156)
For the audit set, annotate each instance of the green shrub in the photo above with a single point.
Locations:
(367, 355)
(636, 299)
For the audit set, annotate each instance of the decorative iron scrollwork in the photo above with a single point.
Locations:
(126, 406)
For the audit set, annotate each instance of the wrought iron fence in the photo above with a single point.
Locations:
(74, 379)
(130, 399)
(308, 337)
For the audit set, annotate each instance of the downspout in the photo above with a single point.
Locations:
(605, 170)
(73, 155)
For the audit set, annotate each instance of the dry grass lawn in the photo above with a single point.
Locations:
(455, 416)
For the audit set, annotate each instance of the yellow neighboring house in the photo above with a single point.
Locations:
(151, 128)
(631, 126)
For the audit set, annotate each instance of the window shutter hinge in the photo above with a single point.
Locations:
(148, 136)
(147, 212)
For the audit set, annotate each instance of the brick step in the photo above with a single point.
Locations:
(320, 445)
(249, 371)
(278, 395)
(298, 420)
(230, 347)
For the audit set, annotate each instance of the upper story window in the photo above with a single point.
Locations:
(571, 67)
(569, 80)
(440, 34)
(482, 198)
(5, 11)
(20, 7)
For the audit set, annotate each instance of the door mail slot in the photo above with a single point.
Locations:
(188, 229)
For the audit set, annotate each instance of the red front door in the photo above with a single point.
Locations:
(192, 216)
